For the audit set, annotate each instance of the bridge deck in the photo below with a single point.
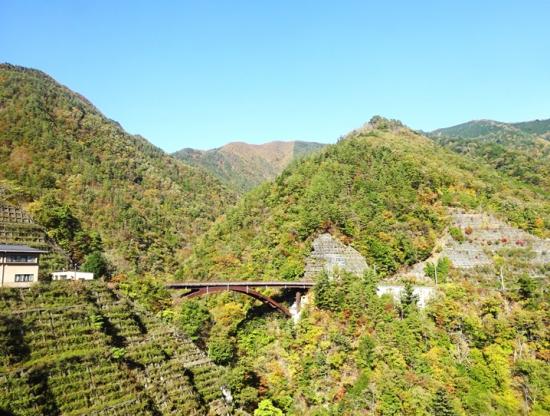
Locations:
(231, 284)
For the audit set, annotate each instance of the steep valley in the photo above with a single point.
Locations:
(461, 215)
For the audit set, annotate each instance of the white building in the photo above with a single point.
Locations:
(72, 275)
(18, 265)
(424, 293)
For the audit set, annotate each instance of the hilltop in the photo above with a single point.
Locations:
(383, 189)
(520, 150)
(92, 185)
(243, 166)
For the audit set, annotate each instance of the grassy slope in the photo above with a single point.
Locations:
(147, 206)
(383, 189)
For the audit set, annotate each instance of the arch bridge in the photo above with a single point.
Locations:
(246, 287)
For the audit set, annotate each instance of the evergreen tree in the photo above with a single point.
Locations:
(527, 287)
(408, 299)
(96, 263)
(325, 293)
(441, 405)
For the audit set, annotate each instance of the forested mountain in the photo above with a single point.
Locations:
(382, 188)
(94, 186)
(243, 166)
(479, 346)
(521, 150)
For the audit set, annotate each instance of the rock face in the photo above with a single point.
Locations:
(484, 236)
(329, 253)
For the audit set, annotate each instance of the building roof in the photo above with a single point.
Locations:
(10, 248)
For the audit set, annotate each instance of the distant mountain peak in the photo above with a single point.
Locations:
(521, 150)
(242, 165)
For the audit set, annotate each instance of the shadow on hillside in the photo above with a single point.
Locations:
(286, 298)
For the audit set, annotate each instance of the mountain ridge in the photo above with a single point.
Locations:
(242, 165)
(60, 151)
(480, 127)
(520, 150)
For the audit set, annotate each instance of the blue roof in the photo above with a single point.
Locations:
(10, 248)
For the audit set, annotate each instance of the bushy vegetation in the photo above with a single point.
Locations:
(473, 350)
(90, 181)
(480, 347)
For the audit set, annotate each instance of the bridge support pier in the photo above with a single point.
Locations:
(298, 301)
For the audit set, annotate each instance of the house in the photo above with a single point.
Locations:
(72, 275)
(18, 265)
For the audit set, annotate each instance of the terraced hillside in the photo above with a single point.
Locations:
(17, 227)
(80, 349)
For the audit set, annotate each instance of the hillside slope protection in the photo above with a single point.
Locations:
(521, 150)
(75, 348)
(383, 189)
(17, 227)
(82, 171)
(243, 166)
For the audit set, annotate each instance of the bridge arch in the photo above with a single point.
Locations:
(202, 291)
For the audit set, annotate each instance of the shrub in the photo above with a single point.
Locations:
(221, 350)
(266, 408)
(457, 234)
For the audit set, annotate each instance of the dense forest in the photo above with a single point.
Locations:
(382, 189)
(478, 347)
(95, 188)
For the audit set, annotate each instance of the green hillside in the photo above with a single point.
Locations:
(243, 166)
(541, 127)
(73, 349)
(475, 349)
(92, 185)
(382, 189)
(520, 150)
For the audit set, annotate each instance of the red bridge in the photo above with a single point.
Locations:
(204, 288)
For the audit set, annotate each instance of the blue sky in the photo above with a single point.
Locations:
(203, 73)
